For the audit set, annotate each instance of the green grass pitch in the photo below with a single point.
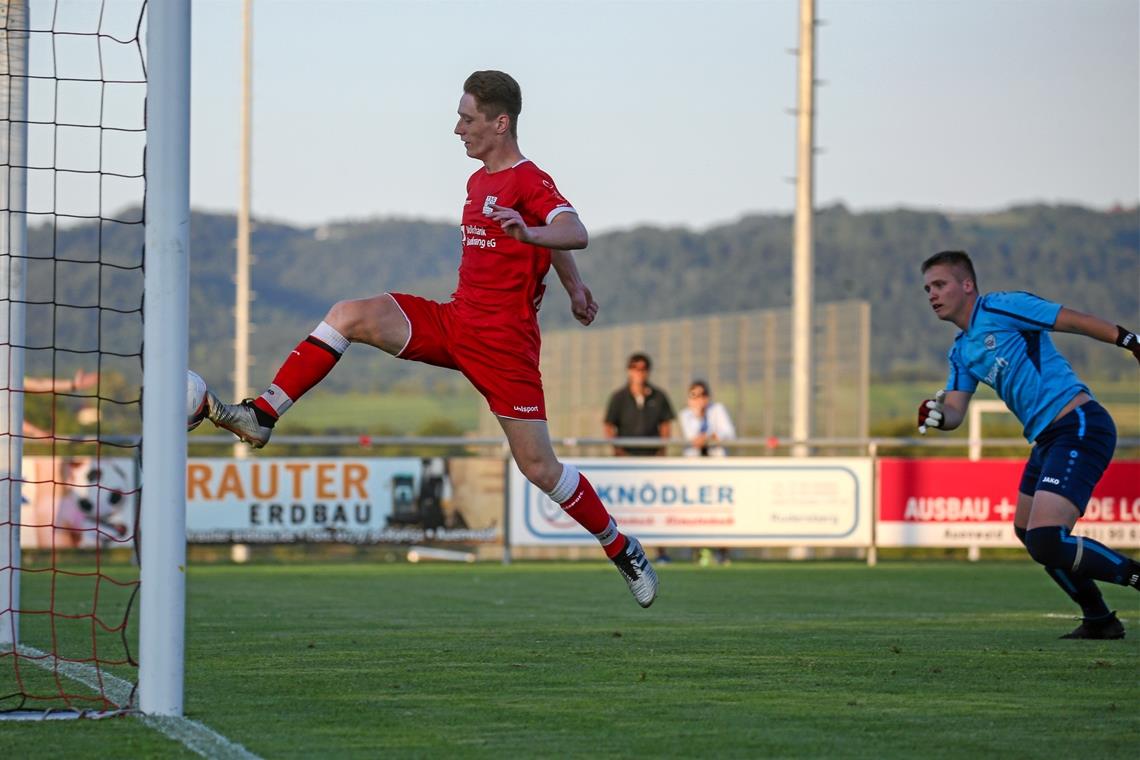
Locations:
(815, 659)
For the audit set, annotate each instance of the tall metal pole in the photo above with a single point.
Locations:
(13, 320)
(802, 264)
(242, 296)
(162, 623)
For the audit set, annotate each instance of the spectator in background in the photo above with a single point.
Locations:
(639, 410)
(705, 424)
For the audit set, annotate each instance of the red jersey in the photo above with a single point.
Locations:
(498, 274)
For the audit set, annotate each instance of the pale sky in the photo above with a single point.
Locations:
(672, 113)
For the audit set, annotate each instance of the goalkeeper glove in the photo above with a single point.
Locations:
(1127, 339)
(930, 412)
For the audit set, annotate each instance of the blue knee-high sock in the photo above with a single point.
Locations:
(1053, 546)
(1080, 589)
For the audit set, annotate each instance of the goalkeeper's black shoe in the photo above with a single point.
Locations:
(240, 419)
(1105, 628)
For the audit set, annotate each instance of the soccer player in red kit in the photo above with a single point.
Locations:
(515, 226)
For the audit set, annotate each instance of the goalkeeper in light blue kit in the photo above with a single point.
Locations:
(1005, 344)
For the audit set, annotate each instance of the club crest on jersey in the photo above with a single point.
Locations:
(990, 342)
(488, 202)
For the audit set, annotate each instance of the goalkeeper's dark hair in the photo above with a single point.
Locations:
(496, 93)
(959, 260)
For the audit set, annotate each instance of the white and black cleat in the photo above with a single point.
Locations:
(240, 419)
(637, 571)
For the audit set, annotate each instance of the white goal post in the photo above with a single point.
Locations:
(13, 269)
(162, 621)
(974, 424)
(83, 168)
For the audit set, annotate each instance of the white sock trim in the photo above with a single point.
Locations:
(277, 399)
(566, 486)
(609, 535)
(1080, 553)
(328, 335)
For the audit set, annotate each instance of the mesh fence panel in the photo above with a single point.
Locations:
(745, 357)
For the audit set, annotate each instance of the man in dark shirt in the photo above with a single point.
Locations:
(639, 410)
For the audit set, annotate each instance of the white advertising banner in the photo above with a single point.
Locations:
(730, 501)
(343, 500)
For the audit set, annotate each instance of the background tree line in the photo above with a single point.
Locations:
(1086, 259)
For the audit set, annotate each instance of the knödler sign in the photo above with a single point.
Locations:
(731, 501)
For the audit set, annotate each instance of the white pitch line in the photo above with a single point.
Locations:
(198, 738)
(190, 733)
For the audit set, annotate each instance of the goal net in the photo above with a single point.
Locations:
(73, 100)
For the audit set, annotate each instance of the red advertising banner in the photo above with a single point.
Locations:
(956, 502)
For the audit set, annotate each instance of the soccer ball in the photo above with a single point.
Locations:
(195, 400)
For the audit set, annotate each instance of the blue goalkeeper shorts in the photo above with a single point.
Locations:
(1070, 455)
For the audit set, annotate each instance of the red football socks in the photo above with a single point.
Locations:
(308, 364)
(589, 512)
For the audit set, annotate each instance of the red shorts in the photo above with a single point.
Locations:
(500, 359)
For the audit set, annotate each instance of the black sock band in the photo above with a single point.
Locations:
(265, 419)
(321, 344)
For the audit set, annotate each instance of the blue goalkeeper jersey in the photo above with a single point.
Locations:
(1007, 347)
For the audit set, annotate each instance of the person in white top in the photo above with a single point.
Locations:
(705, 423)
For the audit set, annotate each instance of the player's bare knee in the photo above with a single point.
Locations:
(362, 320)
(541, 473)
(343, 318)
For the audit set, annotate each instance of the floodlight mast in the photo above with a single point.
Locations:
(802, 257)
(162, 622)
(242, 274)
